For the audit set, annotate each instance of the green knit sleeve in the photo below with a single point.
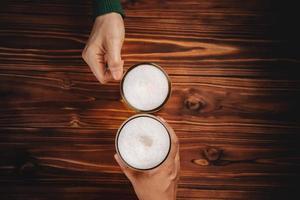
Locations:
(102, 7)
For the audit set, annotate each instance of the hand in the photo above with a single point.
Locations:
(159, 183)
(104, 46)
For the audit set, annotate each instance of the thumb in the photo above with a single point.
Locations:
(114, 61)
(126, 170)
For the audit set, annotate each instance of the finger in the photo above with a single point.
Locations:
(96, 64)
(178, 174)
(99, 72)
(174, 140)
(126, 170)
(115, 63)
(123, 166)
(177, 165)
(117, 70)
(177, 160)
(174, 166)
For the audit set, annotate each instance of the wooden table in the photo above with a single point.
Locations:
(236, 94)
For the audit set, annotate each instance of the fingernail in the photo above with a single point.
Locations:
(117, 75)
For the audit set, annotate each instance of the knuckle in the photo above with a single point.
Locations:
(88, 50)
(116, 59)
(84, 53)
(115, 64)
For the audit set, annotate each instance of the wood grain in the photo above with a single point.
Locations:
(234, 104)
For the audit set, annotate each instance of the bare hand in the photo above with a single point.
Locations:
(159, 183)
(104, 46)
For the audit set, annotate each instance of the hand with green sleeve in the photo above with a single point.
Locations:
(103, 50)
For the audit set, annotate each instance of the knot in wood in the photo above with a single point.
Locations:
(212, 153)
(201, 162)
(75, 121)
(193, 103)
(67, 83)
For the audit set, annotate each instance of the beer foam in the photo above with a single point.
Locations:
(145, 87)
(143, 142)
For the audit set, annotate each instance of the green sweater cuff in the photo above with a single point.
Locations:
(102, 7)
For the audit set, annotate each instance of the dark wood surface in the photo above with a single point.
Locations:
(234, 106)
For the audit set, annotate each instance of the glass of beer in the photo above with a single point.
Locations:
(145, 87)
(143, 142)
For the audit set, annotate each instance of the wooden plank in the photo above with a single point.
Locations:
(234, 103)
